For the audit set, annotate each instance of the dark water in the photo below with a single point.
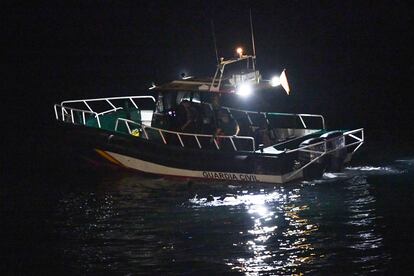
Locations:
(355, 222)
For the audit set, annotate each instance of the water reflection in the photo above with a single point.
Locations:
(114, 227)
(279, 241)
(278, 236)
(136, 225)
(305, 226)
(363, 238)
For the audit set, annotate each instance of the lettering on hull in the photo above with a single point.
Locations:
(230, 176)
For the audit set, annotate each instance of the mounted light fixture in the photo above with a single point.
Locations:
(244, 90)
(275, 81)
(281, 80)
(239, 51)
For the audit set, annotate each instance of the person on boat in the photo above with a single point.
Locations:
(189, 114)
(226, 125)
(264, 134)
(207, 120)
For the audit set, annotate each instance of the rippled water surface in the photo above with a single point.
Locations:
(355, 222)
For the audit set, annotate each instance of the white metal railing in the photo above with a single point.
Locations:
(266, 114)
(65, 109)
(72, 111)
(179, 135)
(108, 100)
(351, 135)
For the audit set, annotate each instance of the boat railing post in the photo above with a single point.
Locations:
(63, 114)
(301, 119)
(198, 142)
(162, 136)
(248, 117)
(179, 138)
(116, 124)
(215, 142)
(135, 105)
(110, 103)
(145, 131)
(232, 142)
(87, 105)
(83, 117)
(98, 120)
(56, 113)
(127, 125)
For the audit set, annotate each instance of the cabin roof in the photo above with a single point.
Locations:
(193, 84)
(201, 85)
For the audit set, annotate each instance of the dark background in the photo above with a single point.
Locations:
(348, 60)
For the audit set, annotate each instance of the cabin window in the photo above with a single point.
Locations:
(195, 97)
(169, 100)
(189, 96)
(160, 104)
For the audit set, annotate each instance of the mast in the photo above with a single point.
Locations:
(214, 40)
(253, 45)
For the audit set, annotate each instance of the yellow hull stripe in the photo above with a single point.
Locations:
(108, 157)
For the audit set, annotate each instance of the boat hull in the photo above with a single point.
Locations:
(154, 168)
(153, 157)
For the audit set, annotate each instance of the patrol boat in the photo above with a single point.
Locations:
(181, 129)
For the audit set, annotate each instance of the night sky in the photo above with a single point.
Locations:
(348, 60)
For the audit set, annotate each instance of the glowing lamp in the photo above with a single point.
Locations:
(239, 51)
(244, 90)
(275, 81)
(281, 80)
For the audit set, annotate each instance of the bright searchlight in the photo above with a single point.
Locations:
(244, 90)
(281, 80)
(275, 81)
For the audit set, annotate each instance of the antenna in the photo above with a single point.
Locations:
(254, 48)
(214, 40)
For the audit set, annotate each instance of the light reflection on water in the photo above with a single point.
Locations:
(278, 237)
(136, 225)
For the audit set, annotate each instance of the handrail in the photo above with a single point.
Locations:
(265, 114)
(65, 108)
(109, 98)
(110, 110)
(345, 134)
(108, 101)
(179, 134)
(359, 141)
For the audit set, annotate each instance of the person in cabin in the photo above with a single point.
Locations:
(207, 121)
(264, 134)
(226, 125)
(189, 117)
